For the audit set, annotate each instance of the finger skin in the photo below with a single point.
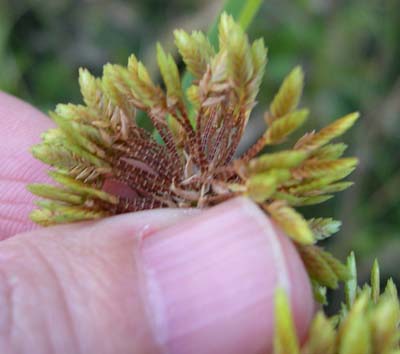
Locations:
(21, 126)
(150, 282)
(74, 289)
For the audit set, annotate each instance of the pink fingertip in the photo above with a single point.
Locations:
(210, 281)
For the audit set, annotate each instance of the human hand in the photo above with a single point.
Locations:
(161, 281)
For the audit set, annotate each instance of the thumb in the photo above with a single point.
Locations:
(128, 284)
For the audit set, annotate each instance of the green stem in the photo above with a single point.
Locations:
(248, 12)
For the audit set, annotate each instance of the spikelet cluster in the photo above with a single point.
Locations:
(104, 163)
(368, 322)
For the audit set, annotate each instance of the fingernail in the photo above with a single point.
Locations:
(210, 281)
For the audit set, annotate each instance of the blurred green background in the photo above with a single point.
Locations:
(350, 51)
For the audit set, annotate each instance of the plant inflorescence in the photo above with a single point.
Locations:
(104, 163)
(368, 322)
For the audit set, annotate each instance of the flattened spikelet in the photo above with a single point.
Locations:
(83, 189)
(322, 168)
(288, 96)
(330, 152)
(195, 50)
(322, 336)
(282, 159)
(329, 133)
(323, 228)
(284, 126)
(90, 88)
(355, 335)
(285, 337)
(318, 267)
(294, 225)
(57, 213)
(170, 73)
(55, 193)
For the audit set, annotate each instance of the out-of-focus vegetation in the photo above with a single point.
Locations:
(350, 51)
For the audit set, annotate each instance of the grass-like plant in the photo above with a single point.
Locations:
(104, 164)
(368, 322)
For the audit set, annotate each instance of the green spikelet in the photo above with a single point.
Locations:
(319, 169)
(286, 341)
(195, 50)
(375, 281)
(262, 186)
(283, 159)
(143, 90)
(324, 271)
(288, 96)
(322, 336)
(332, 131)
(55, 193)
(354, 334)
(259, 59)
(239, 58)
(350, 286)
(323, 228)
(170, 74)
(226, 26)
(83, 189)
(54, 213)
(283, 127)
(330, 151)
(294, 225)
(90, 88)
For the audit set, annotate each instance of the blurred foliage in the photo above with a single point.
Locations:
(350, 51)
